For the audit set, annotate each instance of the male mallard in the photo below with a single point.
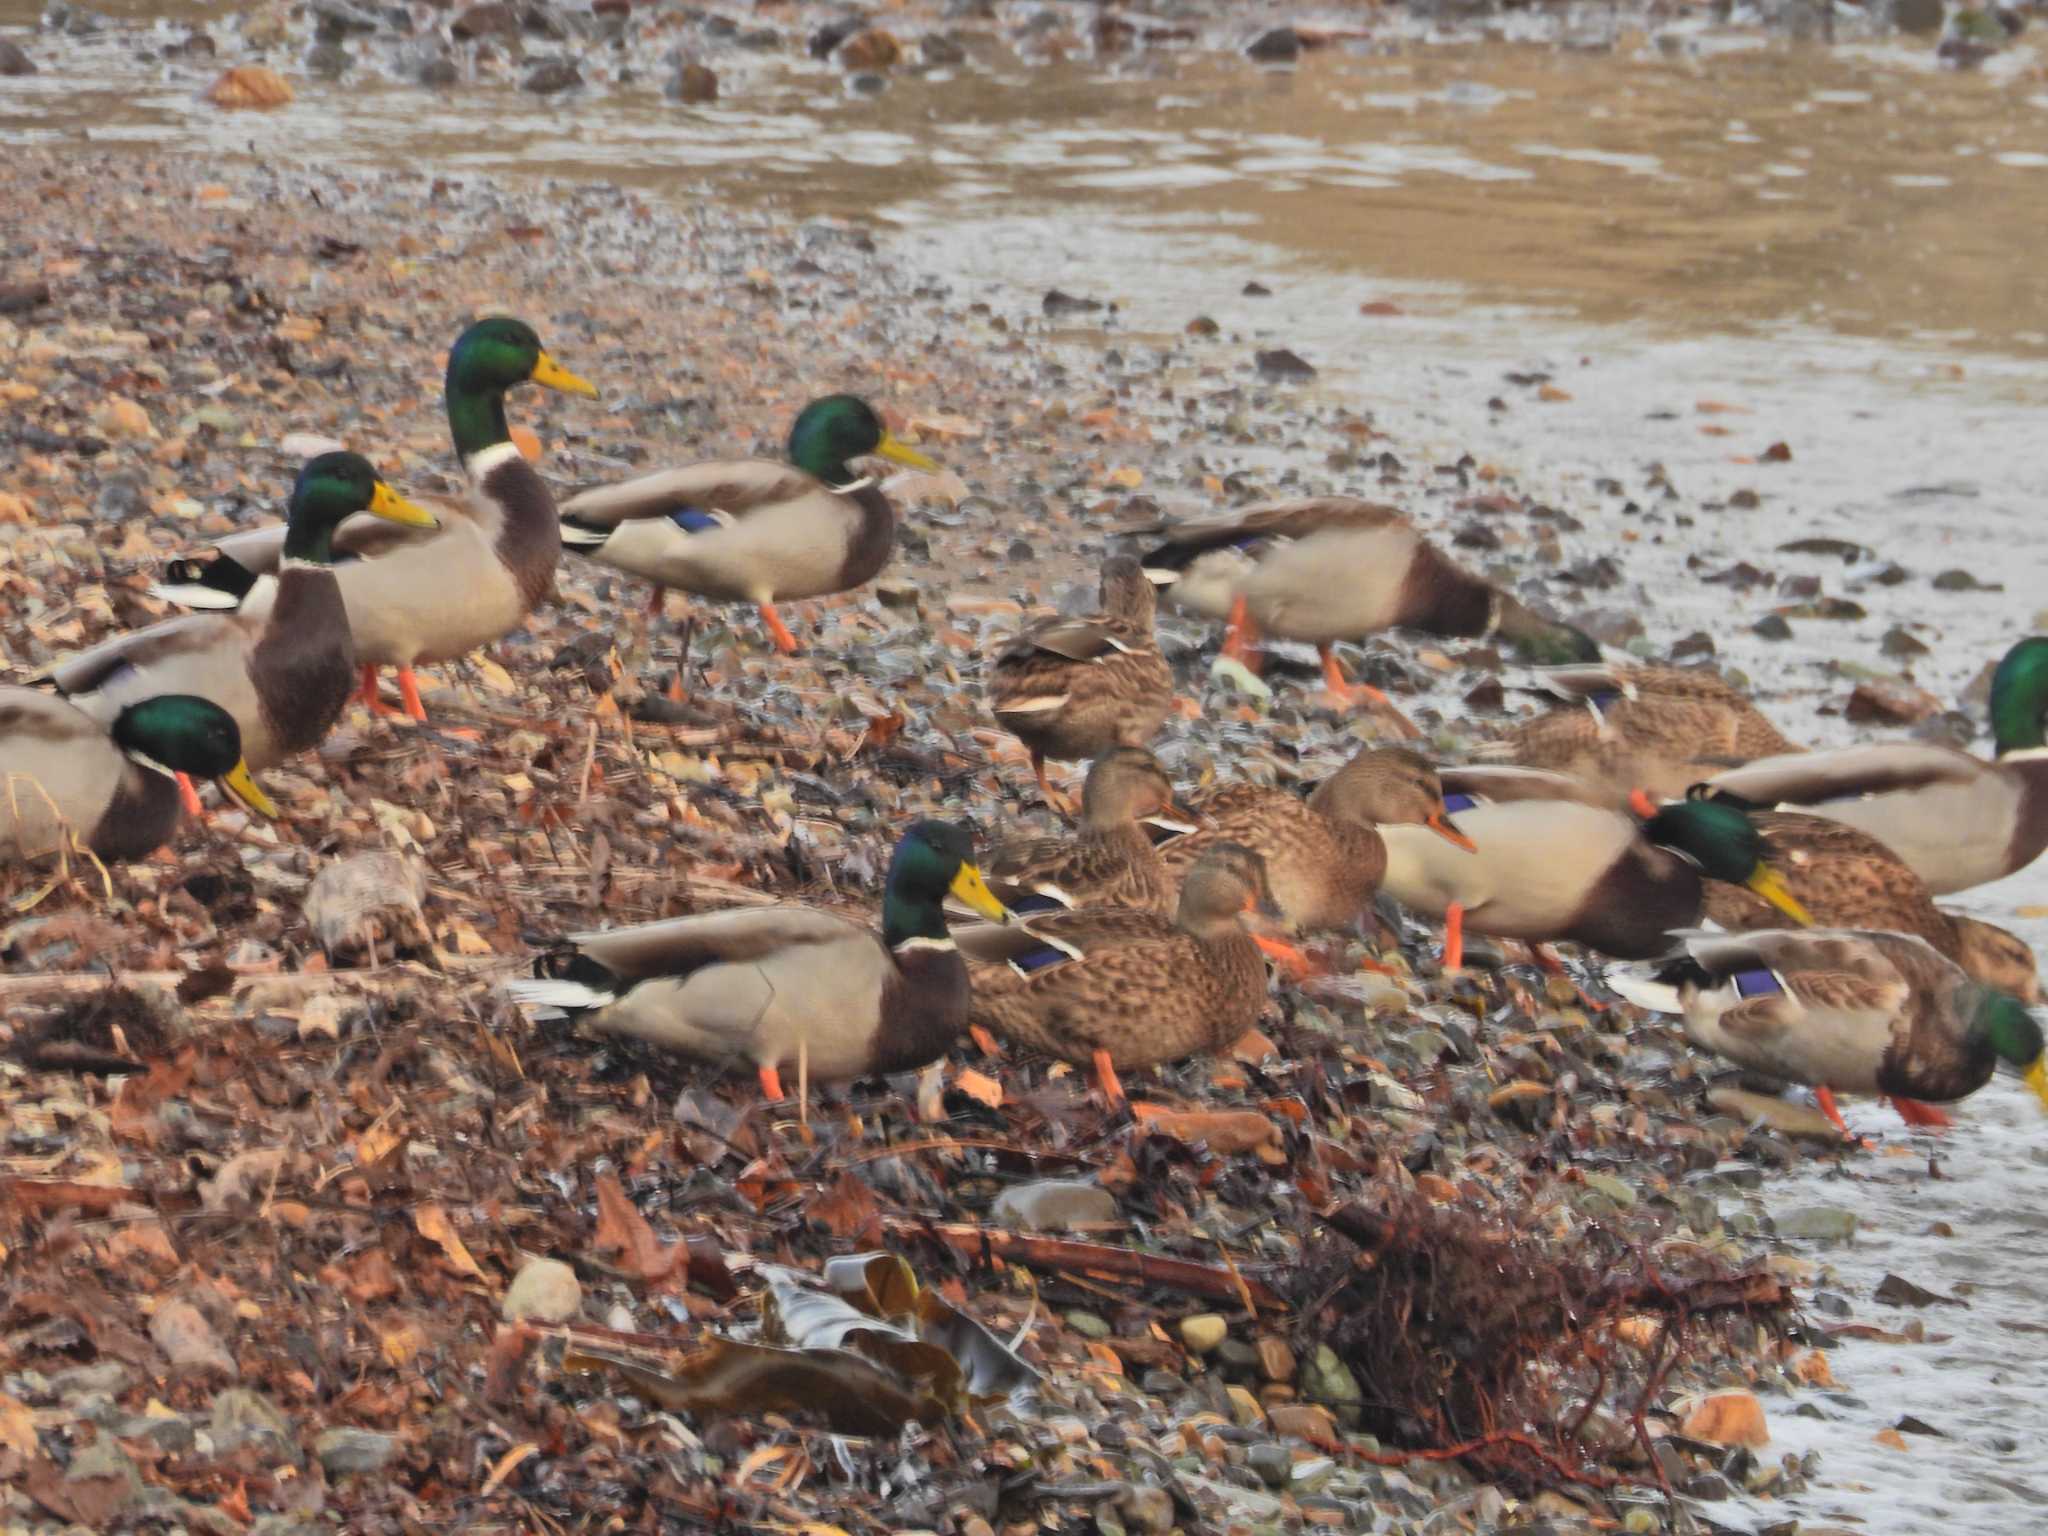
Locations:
(1489, 784)
(1840, 1009)
(1555, 870)
(1109, 862)
(1845, 878)
(283, 663)
(1338, 568)
(1956, 819)
(1660, 729)
(435, 596)
(1323, 855)
(65, 777)
(773, 986)
(1119, 988)
(752, 530)
(1074, 688)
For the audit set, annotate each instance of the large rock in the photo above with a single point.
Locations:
(345, 1452)
(544, 1291)
(493, 19)
(13, 61)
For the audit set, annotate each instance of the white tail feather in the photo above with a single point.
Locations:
(546, 992)
(1657, 996)
(193, 594)
(574, 537)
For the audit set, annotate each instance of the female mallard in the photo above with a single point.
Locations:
(1324, 855)
(1845, 878)
(752, 530)
(1660, 729)
(283, 663)
(1489, 784)
(1110, 861)
(1546, 871)
(1956, 819)
(435, 596)
(1074, 688)
(1850, 1011)
(775, 986)
(1338, 568)
(66, 780)
(1118, 988)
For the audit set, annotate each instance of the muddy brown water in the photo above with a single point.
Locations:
(1708, 242)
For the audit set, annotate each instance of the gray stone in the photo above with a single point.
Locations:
(105, 1461)
(173, 1432)
(1088, 1325)
(552, 76)
(692, 83)
(1147, 1508)
(329, 60)
(1327, 1379)
(13, 61)
(109, 1376)
(1817, 1224)
(1273, 1462)
(544, 1290)
(241, 1417)
(344, 1452)
(1053, 1205)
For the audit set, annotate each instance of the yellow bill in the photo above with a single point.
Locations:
(2037, 1078)
(970, 888)
(901, 453)
(553, 375)
(1767, 883)
(241, 783)
(389, 505)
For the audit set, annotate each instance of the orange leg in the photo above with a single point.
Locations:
(1913, 1112)
(1546, 957)
(188, 796)
(1376, 968)
(658, 601)
(1105, 1076)
(1349, 694)
(1240, 638)
(373, 701)
(771, 1084)
(674, 690)
(1058, 799)
(1454, 937)
(1824, 1096)
(409, 692)
(985, 1042)
(1287, 959)
(785, 642)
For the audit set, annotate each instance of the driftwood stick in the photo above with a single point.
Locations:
(1102, 1260)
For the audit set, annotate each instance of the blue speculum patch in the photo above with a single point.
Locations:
(1043, 958)
(1456, 803)
(1035, 901)
(695, 519)
(1756, 984)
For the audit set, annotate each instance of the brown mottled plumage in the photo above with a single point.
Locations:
(1110, 862)
(1128, 989)
(1660, 729)
(1324, 855)
(1074, 688)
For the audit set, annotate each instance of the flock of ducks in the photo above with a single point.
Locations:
(1647, 802)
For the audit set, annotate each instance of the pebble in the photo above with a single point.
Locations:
(1203, 1332)
(1276, 1360)
(1327, 1379)
(119, 417)
(1278, 45)
(250, 86)
(106, 1463)
(1729, 1418)
(1053, 1205)
(692, 83)
(1273, 1462)
(344, 1452)
(1147, 1508)
(241, 1417)
(13, 61)
(545, 1291)
(1817, 1224)
(552, 76)
(182, 1332)
(1088, 1325)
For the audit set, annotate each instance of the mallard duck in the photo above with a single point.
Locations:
(1110, 861)
(1324, 855)
(1956, 819)
(283, 663)
(1997, 957)
(1546, 871)
(1474, 784)
(752, 530)
(1118, 988)
(1074, 688)
(1338, 568)
(1845, 878)
(775, 986)
(1659, 729)
(67, 781)
(433, 597)
(1848, 1011)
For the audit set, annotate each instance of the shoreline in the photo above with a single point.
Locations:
(230, 316)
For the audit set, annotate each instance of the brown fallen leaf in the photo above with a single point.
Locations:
(1224, 1132)
(434, 1225)
(851, 1395)
(622, 1230)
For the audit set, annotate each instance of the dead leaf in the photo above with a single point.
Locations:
(434, 1225)
(17, 1426)
(980, 1087)
(505, 1466)
(621, 1229)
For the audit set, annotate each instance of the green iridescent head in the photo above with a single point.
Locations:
(1721, 843)
(830, 432)
(2019, 696)
(933, 860)
(492, 356)
(183, 733)
(331, 489)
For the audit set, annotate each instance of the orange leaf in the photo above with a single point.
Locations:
(980, 1087)
(621, 1229)
(505, 1465)
(434, 1225)
(1224, 1131)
